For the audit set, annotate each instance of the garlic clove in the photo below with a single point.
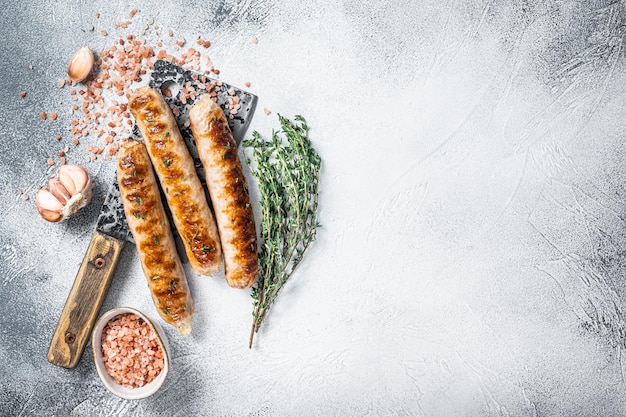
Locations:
(70, 191)
(67, 180)
(81, 64)
(74, 178)
(48, 206)
(58, 190)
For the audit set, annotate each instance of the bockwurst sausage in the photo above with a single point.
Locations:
(150, 228)
(176, 172)
(228, 190)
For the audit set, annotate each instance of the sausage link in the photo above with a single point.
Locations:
(177, 174)
(150, 228)
(228, 190)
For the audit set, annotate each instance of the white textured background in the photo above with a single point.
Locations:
(473, 251)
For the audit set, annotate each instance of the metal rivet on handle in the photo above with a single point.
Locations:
(99, 262)
(70, 338)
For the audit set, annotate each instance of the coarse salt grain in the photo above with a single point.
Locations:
(132, 354)
(120, 65)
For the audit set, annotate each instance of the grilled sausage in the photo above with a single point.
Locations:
(228, 189)
(176, 172)
(150, 228)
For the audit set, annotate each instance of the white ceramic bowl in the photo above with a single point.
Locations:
(119, 390)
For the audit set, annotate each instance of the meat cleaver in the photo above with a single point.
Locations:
(91, 283)
(97, 269)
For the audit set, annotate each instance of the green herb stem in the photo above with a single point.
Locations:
(287, 172)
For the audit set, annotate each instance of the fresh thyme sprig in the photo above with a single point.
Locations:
(287, 172)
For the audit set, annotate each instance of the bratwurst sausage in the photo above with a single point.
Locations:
(150, 228)
(183, 190)
(228, 190)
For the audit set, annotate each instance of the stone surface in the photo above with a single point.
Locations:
(472, 200)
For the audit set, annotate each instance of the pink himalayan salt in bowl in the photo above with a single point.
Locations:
(130, 352)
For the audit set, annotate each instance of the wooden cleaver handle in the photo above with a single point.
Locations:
(84, 301)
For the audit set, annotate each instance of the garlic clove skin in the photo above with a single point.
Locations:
(70, 191)
(78, 200)
(81, 64)
(48, 206)
(58, 190)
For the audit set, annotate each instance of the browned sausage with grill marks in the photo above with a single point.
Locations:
(177, 174)
(150, 228)
(228, 189)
